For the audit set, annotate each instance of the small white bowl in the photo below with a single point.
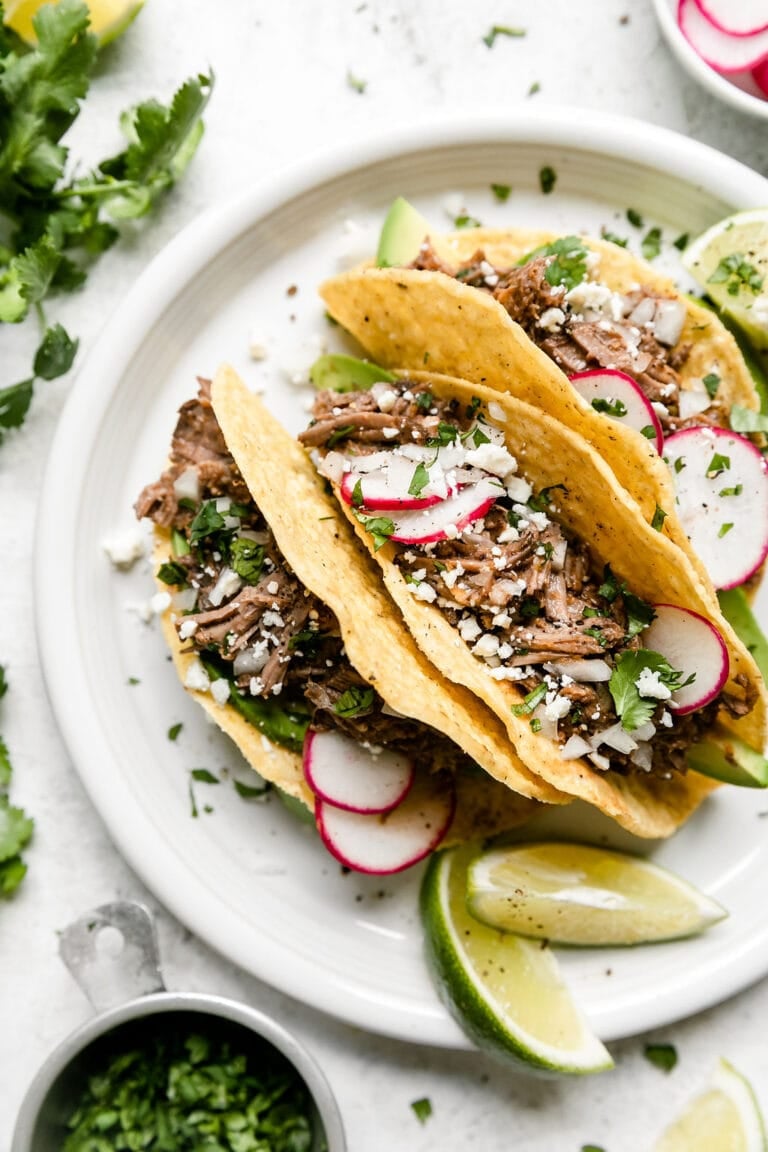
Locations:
(739, 91)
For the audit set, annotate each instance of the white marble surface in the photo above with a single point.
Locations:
(281, 91)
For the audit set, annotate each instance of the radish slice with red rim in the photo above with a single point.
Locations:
(457, 511)
(721, 50)
(387, 489)
(721, 480)
(344, 773)
(620, 398)
(760, 76)
(735, 17)
(692, 646)
(396, 840)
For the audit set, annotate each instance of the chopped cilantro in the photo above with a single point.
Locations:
(592, 1148)
(339, 434)
(534, 88)
(356, 84)
(179, 543)
(55, 355)
(380, 527)
(717, 465)
(251, 791)
(679, 464)
(634, 218)
(247, 559)
(681, 243)
(15, 826)
(479, 437)
(354, 702)
(542, 501)
(613, 238)
(501, 30)
(172, 573)
(649, 432)
(736, 490)
(502, 192)
(535, 724)
(529, 608)
(307, 641)
(192, 805)
(569, 264)
(547, 179)
(597, 634)
(633, 709)
(464, 220)
(639, 614)
(446, 434)
(745, 420)
(357, 494)
(724, 530)
(663, 1056)
(203, 776)
(473, 407)
(659, 517)
(737, 273)
(530, 702)
(424, 401)
(133, 680)
(650, 245)
(419, 480)
(587, 612)
(610, 587)
(207, 522)
(422, 1109)
(616, 408)
(711, 382)
(174, 730)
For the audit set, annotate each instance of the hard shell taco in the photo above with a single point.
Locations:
(600, 341)
(527, 574)
(280, 629)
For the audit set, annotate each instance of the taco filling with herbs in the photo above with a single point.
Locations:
(600, 341)
(267, 658)
(526, 573)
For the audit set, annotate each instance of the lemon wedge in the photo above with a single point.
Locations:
(109, 18)
(577, 894)
(730, 262)
(725, 1118)
(506, 992)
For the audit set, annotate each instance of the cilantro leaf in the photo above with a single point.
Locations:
(633, 709)
(663, 1056)
(247, 559)
(569, 264)
(639, 614)
(56, 353)
(502, 192)
(547, 179)
(650, 245)
(251, 791)
(354, 701)
(501, 30)
(736, 272)
(419, 480)
(531, 701)
(12, 872)
(380, 527)
(14, 404)
(15, 829)
(422, 1109)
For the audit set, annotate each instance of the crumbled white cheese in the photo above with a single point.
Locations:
(487, 645)
(539, 520)
(159, 602)
(507, 673)
(227, 585)
(557, 708)
(273, 587)
(257, 347)
(469, 629)
(423, 591)
(499, 563)
(506, 650)
(124, 548)
(197, 678)
(220, 691)
(387, 400)
(666, 719)
(390, 433)
(518, 489)
(419, 574)
(451, 576)
(552, 319)
(649, 685)
(255, 685)
(508, 535)
(492, 458)
(451, 532)
(272, 619)
(187, 629)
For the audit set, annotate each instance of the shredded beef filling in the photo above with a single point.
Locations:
(260, 626)
(523, 593)
(577, 344)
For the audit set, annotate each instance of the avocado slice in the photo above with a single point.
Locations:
(338, 373)
(295, 807)
(403, 232)
(756, 362)
(736, 609)
(729, 759)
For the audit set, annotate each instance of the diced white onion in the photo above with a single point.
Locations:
(601, 762)
(692, 401)
(548, 727)
(186, 486)
(185, 600)
(645, 732)
(558, 556)
(227, 585)
(644, 312)
(642, 756)
(387, 711)
(615, 737)
(333, 466)
(496, 412)
(583, 671)
(668, 321)
(574, 747)
(252, 660)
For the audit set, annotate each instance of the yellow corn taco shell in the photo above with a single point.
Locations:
(599, 511)
(411, 319)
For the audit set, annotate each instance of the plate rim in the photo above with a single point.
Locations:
(167, 274)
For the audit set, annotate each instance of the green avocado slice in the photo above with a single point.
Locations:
(338, 373)
(403, 232)
(729, 759)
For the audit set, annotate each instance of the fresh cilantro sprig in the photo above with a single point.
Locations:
(15, 826)
(354, 701)
(57, 224)
(568, 263)
(633, 709)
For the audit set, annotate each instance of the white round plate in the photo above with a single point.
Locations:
(247, 877)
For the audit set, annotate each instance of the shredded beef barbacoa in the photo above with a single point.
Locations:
(288, 639)
(578, 344)
(536, 591)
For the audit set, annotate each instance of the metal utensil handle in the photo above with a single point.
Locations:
(112, 953)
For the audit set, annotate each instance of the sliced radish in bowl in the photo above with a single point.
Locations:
(342, 772)
(395, 840)
(388, 488)
(620, 398)
(722, 50)
(760, 76)
(735, 17)
(721, 481)
(424, 527)
(694, 647)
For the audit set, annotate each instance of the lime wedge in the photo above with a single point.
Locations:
(730, 262)
(505, 992)
(109, 18)
(576, 894)
(725, 1118)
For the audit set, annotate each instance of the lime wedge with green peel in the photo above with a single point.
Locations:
(725, 1118)
(109, 18)
(506, 993)
(403, 232)
(730, 262)
(579, 895)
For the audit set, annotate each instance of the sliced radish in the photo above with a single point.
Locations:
(693, 646)
(722, 496)
(760, 76)
(393, 841)
(722, 50)
(609, 387)
(736, 17)
(344, 773)
(456, 512)
(386, 489)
